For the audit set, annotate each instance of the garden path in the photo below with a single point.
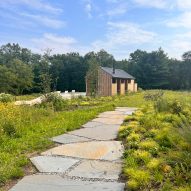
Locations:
(87, 159)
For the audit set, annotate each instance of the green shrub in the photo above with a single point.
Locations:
(9, 129)
(153, 164)
(176, 107)
(134, 137)
(132, 184)
(162, 105)
(5, 98)
(55, 101)
(153, 96)
(142, 177)
(150, 146)
(141, 155)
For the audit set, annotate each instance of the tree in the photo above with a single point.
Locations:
(185, 70)
(16, 77)
(187, 56)
(92, 76)
(24, 75)
(105, 59)
(7, 80)
(14, 51)
(150, 69)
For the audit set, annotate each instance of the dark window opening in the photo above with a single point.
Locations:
(113, 80)
(126, 85)
(122, 81)
(129, 81)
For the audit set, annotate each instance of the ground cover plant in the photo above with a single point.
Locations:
(26, 130)
(157, 140)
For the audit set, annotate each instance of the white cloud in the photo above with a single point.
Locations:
(160, 4)
(182, 20)
(58, 44)
(184, 4)
(34, 4)
(113, 1)
(178, 44)
(88, 7)
(123, 38)
(46, 21)
(165, 4)
(123, 34)
(119, 10)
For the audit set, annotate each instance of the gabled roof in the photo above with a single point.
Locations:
(118, 73)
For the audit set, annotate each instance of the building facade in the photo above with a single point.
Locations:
(112, 82)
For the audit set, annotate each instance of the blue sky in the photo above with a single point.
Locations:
(118, 26)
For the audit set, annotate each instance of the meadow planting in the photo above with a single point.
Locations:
(157, 138)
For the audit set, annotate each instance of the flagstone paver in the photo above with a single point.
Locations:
(88, 159)
(108, 121)
(114, 112)
(69, 138)
(91, 124)
(96, 133)
(57, 183)
(53, 164)
(103, 115)
(101, 150)
(97, 169)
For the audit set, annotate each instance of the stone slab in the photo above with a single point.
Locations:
(97, 169)
(128, 112)
(113, 113)
(103, 115)
(121, 109)
(66, 138)
(53, 164)
(100, 133)
(91, 124)
(105, 150)
(56, 183)
(109, 121)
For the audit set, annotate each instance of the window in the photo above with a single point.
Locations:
(122, 81)
(113, 80)
(129, 81)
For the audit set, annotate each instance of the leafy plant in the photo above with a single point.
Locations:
(5, 98)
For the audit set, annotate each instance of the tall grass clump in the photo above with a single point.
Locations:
(27, 129)
(162, 153)
(5, 98)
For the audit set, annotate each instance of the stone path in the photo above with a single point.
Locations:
(87, 159)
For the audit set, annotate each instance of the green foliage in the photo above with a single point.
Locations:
(162, 152)
(92, 77)
(55, 101)
(16, 76)
(153, 96)
(162, 105)
(5, 98)
(150, 69)
(25, 130)
(9, 128)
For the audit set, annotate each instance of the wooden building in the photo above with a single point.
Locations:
(112, 82)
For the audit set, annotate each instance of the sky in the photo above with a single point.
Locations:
(118, 26)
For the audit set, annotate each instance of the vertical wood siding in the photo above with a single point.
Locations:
(104, 83)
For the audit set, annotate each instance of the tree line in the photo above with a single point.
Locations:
(22, 71)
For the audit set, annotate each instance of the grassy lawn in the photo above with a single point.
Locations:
(25, 130)
(157, 140)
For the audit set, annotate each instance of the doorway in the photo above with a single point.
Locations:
(118, 86)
